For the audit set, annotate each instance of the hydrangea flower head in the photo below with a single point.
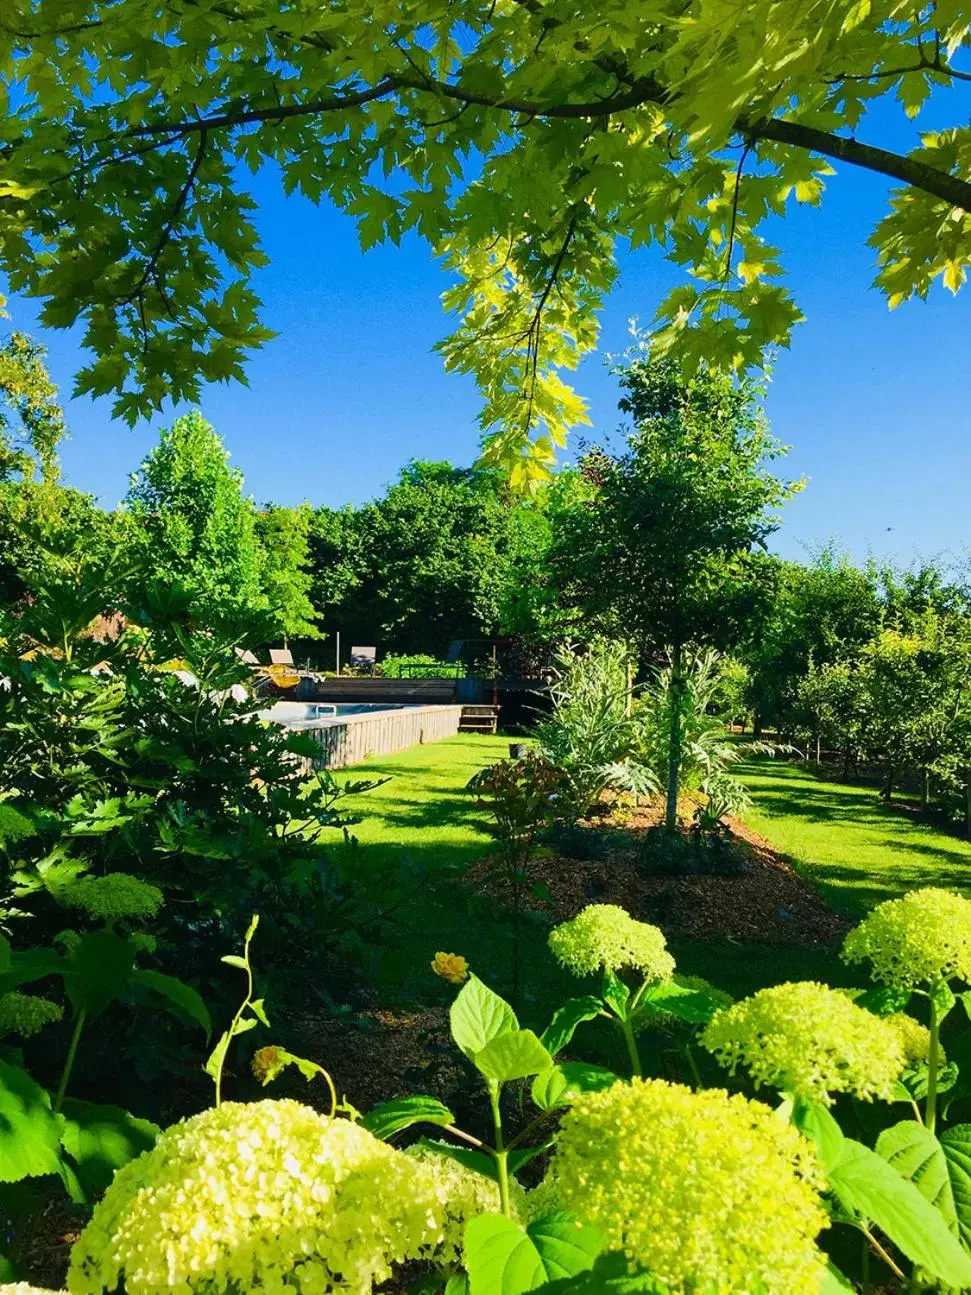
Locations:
(710, 1192)
(915, 1039)
(25, 1288)
(807, 1039)
(114, 897)
(918, 940)
(605, 937)
(260, 1196)
(451, 967)
(26, 1014)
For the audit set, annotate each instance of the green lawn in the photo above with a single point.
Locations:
(427, 828)
(846, 841)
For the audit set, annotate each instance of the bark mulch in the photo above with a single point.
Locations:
(756, 896)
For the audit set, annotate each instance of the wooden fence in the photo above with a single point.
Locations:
(352, 738)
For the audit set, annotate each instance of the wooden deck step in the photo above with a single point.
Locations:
(479, 719)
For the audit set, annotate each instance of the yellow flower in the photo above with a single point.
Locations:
(707, 1191)
(808, 1039)
(605, 937)
(918, 940)
(262, 1196)
(451, 967)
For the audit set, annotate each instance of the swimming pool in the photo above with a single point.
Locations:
(296, 714)
(349, 732)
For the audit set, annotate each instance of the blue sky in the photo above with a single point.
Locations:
(874, 403)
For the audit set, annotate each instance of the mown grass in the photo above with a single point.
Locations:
(855, 849)
(425, 827)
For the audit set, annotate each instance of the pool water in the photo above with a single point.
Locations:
(292, 713)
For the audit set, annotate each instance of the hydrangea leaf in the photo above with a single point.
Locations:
(98, 969)
(177, 992)
(562, 1084)
(565, 1020)
(100, 1139)
(30, 1132)
(478, 1015)
(918, 1156)
(514, 1054)
(956, 1145)
(865, 1184)
(610, 1275)
(390, 1118)
(505, 1258)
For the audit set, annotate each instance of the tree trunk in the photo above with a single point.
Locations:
(925, 790)
(819, 747)
(967, 804)
(675, 704)
(888, 785)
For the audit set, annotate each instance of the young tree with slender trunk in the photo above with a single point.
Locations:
(667, 548)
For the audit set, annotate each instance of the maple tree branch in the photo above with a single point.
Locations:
(931, 179)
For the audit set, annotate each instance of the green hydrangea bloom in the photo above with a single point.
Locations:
(264, 1196)
(808, 1039)
(113, 897)
(709, 1192)
(461, 1194)
(26, 1014)
(915, 1039)
(918, 940)
(605, 937)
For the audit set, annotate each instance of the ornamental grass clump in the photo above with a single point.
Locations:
(707, 1191)
(811, 1041)
(262, 1196)
(916, 941)
(606, 938)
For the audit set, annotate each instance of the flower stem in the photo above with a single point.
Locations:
(69, 1059)
(933, 1061)
(500, 1152)
(635, 1057)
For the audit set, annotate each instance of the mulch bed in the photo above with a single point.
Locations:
(762, 900)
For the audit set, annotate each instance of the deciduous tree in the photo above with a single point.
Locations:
(523, 140)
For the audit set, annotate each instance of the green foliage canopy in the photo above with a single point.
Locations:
(521, 140)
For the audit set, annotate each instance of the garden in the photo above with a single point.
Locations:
(657, 983)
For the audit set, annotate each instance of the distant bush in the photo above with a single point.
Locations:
(418, 666)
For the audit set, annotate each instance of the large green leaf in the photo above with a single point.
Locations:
(29, 965)
(504, 1258)
(565, 1020)
(183, 996)
(100, 1139)
(478, 1016)
(391, 1117)
(480, 1161)
(516, 1054)
(98, 969)
(616, 994)
(30, 1132)
(562, 1084)
(865, 1184)
(691, 1005)
(917, 1155)
(956, 1145)
(610, 1275)
(813, 1120)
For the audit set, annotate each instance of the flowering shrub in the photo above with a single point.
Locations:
(811, 1041)
(710, 1192)
(265, 1196)
(113, 897)
(605, 938)
(918, 940)
(26, 1014)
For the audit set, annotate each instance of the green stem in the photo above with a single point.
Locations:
(693, 1066)
(500, 1152)
(635, 1057)
(933, 1061)
(894, 1268)
(865, 1266)
(69, 1060)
